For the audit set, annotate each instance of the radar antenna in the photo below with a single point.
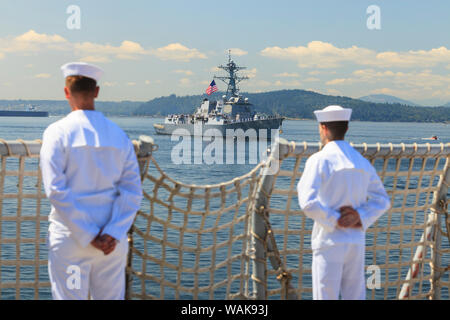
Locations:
(232, 79)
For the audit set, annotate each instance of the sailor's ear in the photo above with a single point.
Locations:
(324, 129)
(97, 90)
(67, 92)
(322, 126)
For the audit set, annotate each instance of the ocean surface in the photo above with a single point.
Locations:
(32, 128)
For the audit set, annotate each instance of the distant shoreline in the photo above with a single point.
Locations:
(300, 119)
(294, 104)
(286, 118)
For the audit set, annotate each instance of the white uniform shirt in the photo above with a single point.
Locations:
(91, 177)
(337, 176)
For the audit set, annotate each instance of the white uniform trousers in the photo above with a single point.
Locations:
(339, 269)
(76, 272)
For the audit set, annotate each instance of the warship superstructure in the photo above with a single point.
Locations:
(231, 113)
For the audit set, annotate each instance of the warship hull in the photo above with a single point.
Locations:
(262, 128)
(10, 113)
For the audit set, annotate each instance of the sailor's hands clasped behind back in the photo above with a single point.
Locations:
(105, 243)
(349, 218)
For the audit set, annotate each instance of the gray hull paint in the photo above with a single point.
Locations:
(267, 124)
(12, 113)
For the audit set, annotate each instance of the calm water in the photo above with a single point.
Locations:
(32, 128)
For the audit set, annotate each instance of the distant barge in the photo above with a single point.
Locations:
(10, 113)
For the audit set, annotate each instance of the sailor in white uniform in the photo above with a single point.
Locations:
(341, 191)
(91, 177)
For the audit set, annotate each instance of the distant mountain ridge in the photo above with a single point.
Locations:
(301, 104)
(384, 98)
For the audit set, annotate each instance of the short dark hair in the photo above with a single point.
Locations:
(337, 129)
(81, 84)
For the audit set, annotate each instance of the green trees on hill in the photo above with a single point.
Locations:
(301, 104)
(289, 103)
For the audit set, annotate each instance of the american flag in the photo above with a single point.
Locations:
(212, 88)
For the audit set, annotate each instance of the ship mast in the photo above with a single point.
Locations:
(232, 79)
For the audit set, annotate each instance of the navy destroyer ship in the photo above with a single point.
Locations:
(223, 117)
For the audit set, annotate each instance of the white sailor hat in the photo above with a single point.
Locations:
(333, 113)
(82, 69)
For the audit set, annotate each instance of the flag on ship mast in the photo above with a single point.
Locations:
(212, 88)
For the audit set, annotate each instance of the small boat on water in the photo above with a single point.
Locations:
(431, 138)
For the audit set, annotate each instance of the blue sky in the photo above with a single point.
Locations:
(155, 48)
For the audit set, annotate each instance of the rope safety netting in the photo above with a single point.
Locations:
(245, 238)
(402, 248)
(405, 256)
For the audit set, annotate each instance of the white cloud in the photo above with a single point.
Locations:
(110, 84)
(131, 84)
(251, 73)
(317, 54)
(287, 75)
(185, 72)
(293, 83)
(259, 91)
(31, 42)
(334, 92)
(96, 59)
(442, 94)
(388, 91)
(259, 83)
(185, 82)
(424, 78)
(317, 72)
(128, 50)
(237, 52)
(178, 52)
(33, 37)
(311, 79)
(43, 76)
(422, 58)
(323, 55)
(148, 82)
(339, 81)
(410, 85)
